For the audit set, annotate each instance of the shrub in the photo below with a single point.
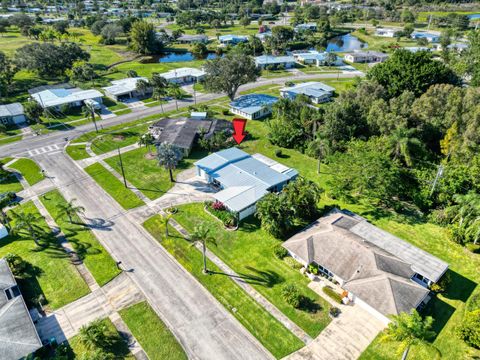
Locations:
(294, 264)
(332, 294)
(313, 269)
(226, 112)
(17, 265)
(280, 252)
(474, 302)
(469, 331)
(442, 285)
(217, 205)
(278, 153)
(291, 295)
(334, 311)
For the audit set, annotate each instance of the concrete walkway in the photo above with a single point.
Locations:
(345, 338)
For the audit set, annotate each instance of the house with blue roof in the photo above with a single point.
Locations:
(317, 92)
(432, 38)
(232, 39)
(274, 62)
(253, 106)
(243, 179)
(317, 58)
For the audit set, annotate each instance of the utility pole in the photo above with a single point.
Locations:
(121, 167)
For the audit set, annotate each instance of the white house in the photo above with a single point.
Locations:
(243, 179)
(307, 26)
(12, 114)
(55, 98)
(270, 61)
(387, 32)
(365, 57)
(125, 88)
(316, 91)
(192, 39)
(184, 75)
(430, 37)
(313, 57)
(253, 106)
(376, 270)
(232, 39)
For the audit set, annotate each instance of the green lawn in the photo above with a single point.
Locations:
(271, 89)
(109, 142)
(29, 169)
(119, 347)
(125, 197)
(236, 29)
(145, 174)
(10, 183)
(152, 334)
(86, 245)
(77, 152)
(51, 274)
(382, 43)
(249, 251)
(271, 333)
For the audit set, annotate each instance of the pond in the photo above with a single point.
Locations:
(474, 17)
(169, 57)
(345, 43)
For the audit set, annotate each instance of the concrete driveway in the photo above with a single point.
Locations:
(345, 338)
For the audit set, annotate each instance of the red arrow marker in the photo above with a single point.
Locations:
(239, 130)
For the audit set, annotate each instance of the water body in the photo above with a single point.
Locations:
(345, 43)
(474, 16)
(179, 57)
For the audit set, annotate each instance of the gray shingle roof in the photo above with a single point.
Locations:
(18, 336)
(9, 110)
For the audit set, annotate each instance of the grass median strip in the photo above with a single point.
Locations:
(49, 274)
(261, 324)
(92, 253)
(29, 169)
(152, 334)
(77, 152)
(114, 187)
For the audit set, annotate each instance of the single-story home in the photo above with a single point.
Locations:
(232, 39)
(365, 57)
(184, 75)
(12, 114)
(307, 26)
(18, 336)
(433, 38)
(387, 32)
(55, 98)
(263, 36)
(415, 49)
(243, 179)
(125, 88)
(316, 58)
(265, 61)
(183, 132)
(192, 39)
(316, 91)
(253, 106)
(377, 270)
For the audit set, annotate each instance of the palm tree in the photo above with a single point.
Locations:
(70, 210)
(165, 220)
(200, 233)
(89, 110)
(146, 140)
(160, 86)
(94, 335)
(142, 86)
(27, 222)
(467, 214)
(132, 73)
(168, 156)
(410, 329)
(402, 141)
(175, 92)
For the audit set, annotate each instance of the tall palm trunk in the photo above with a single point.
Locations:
(31, 230)
(204, 252)
(171, 175)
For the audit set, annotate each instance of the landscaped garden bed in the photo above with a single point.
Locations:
(221, 213)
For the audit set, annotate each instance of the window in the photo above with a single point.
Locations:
(12, 292)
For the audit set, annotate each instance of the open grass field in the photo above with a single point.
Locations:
(118, 348)
(29, 169)
(146, 175)
(382, 43)
(152, 334)
(50, 275)
(86, 245)
(114, 187)
(425, 15)
(77, 152)
(271, 333)
(235, 29)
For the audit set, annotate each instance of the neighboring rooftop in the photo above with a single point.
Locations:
(270, 59)
(199, 37)
(18, 336)
(233, 38)
(252, 103)
(182, 72)
(123, 86)
(56, 97)
(11, 110)
(311, 88)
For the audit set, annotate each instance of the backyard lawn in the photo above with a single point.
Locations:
(118, 348)
(114, 187)
(50, 274)
(152, 334)
(249, 252)
(29, 169)
(271, 333)
(86, 245)
(145, 174)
